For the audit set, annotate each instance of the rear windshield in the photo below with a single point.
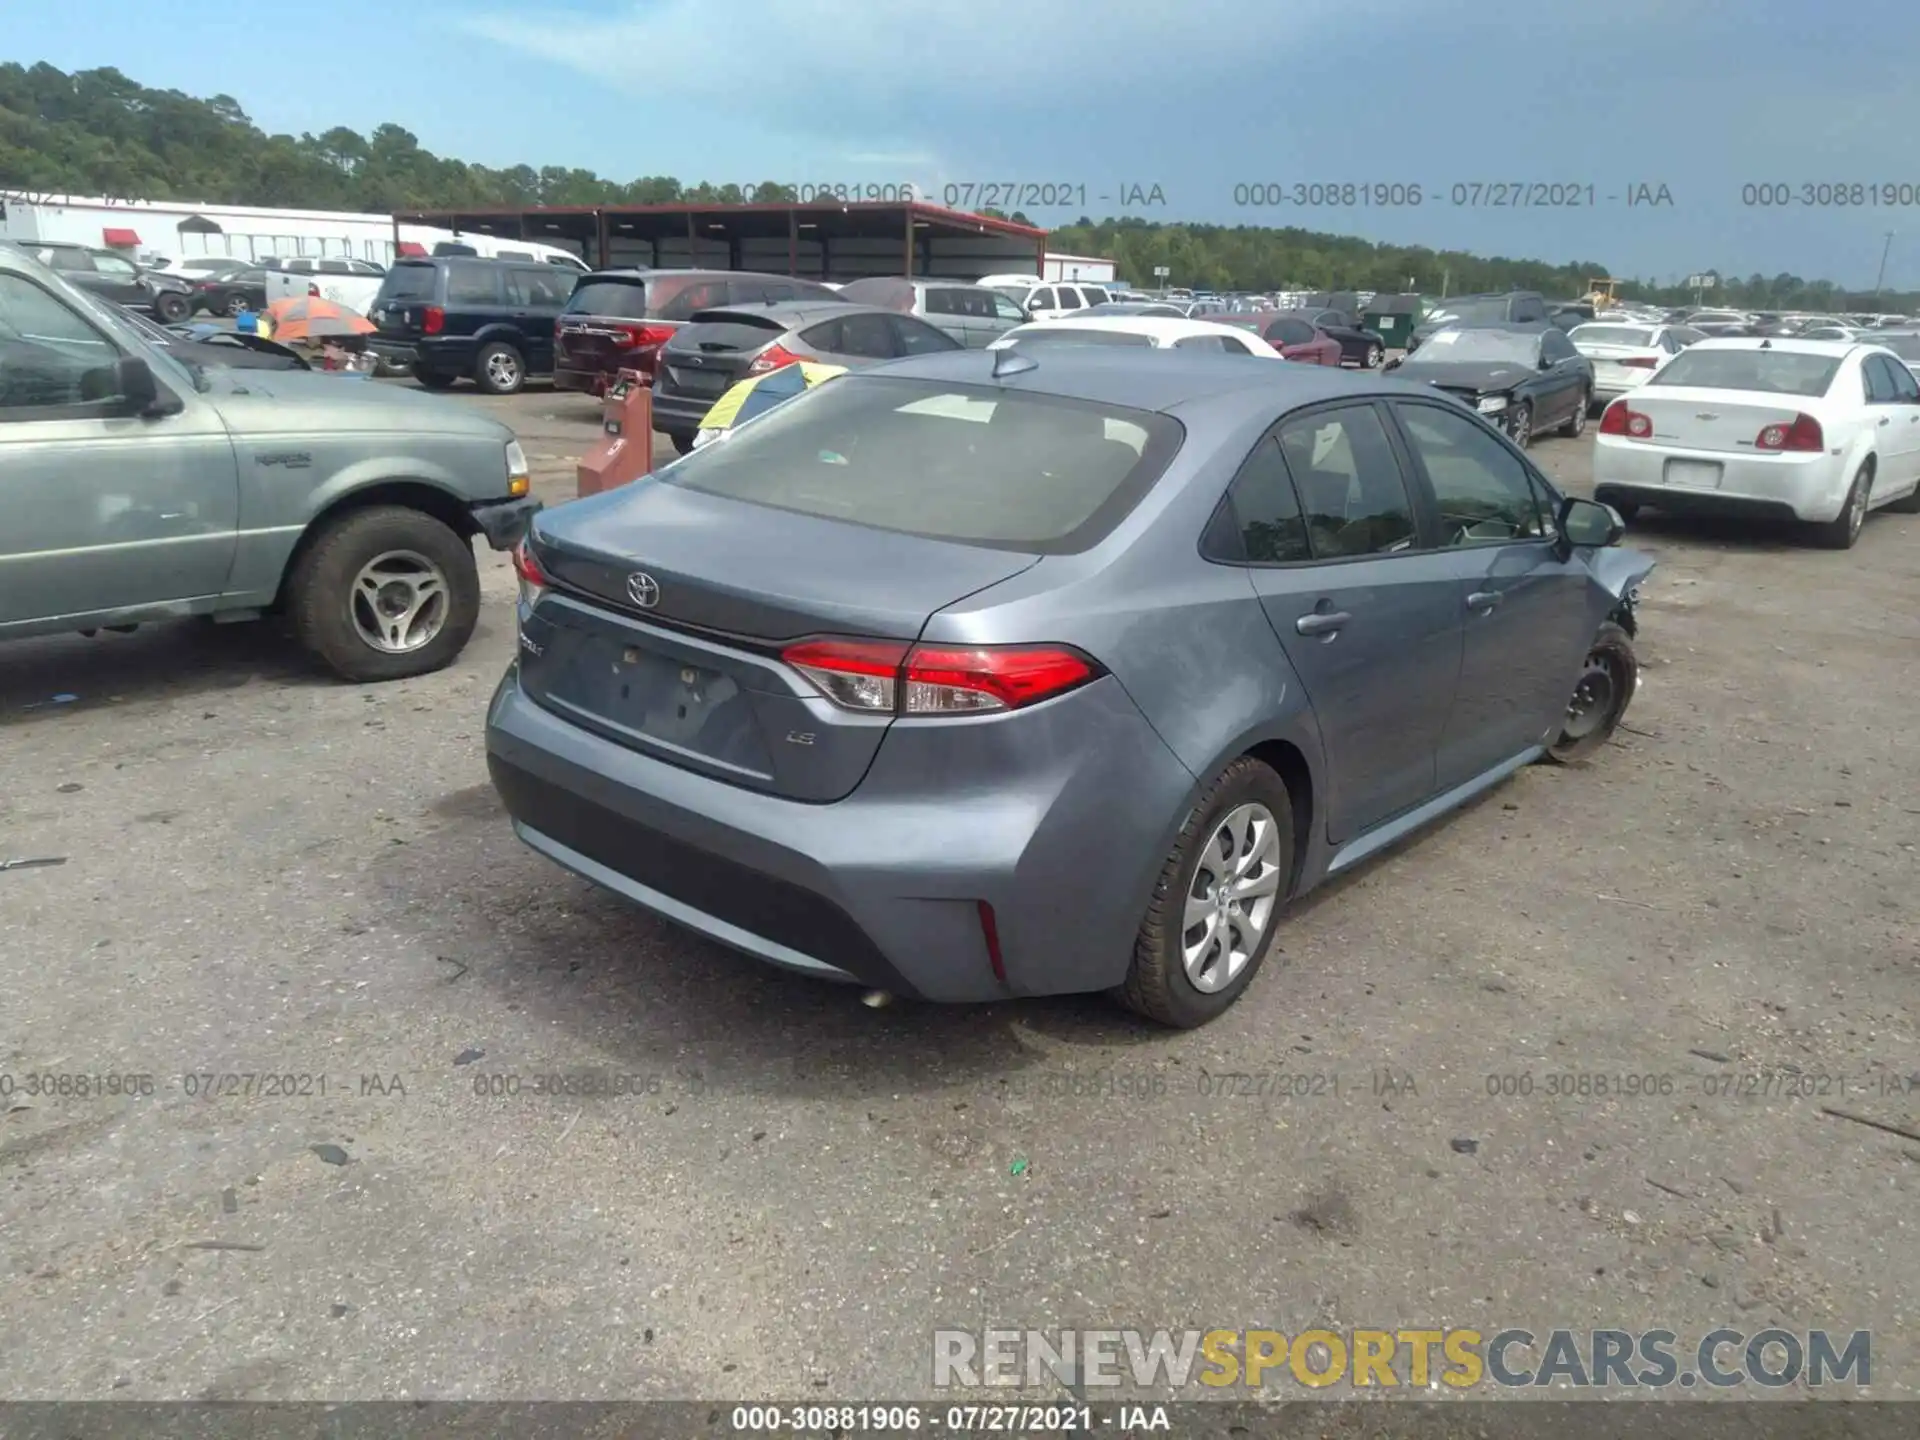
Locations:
(1613, 335)
(1080, 335)
(1470, 310)
(624, 299)
(1777, 372)
(718, 331)
(408, 282)
(974, 464)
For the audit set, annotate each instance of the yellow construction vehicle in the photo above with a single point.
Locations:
(1600, 294)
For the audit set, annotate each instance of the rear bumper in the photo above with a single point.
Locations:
(1055, 817)
(395, 352)
(676, 414)
(1797, 487)
(447, 356)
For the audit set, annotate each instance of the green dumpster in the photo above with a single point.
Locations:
(1393, 317)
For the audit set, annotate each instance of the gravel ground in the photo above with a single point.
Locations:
(271, 874)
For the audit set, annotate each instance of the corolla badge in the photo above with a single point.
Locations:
(643, 590)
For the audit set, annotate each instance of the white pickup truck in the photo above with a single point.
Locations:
(352, 283)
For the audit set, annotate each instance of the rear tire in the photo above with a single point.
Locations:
(235, 304)
(1160, 982)
(1576, 425)
(1627, 510)
(172, 308)
(683, 444)
(499, 369)
(1373, 358)
(1600, 697)
(322, 598)
(1843, 530)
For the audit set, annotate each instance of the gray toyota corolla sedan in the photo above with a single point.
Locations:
(985, 674)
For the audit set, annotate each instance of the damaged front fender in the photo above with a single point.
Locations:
(1621, 573)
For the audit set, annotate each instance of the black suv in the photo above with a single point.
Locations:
(1513, 307)
(116, 278)
(450, 316)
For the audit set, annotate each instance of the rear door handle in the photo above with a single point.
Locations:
(1321, 624)
(1483, 599)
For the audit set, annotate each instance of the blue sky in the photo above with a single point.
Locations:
(1195, 96)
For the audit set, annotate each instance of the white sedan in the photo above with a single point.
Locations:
(1625, 354)
(1820, 431)
(1143, 331)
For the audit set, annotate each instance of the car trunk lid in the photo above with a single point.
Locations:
(695, 678)
(1727, 421)
(605, 321)
(717, 350)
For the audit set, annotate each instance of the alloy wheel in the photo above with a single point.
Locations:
(398, 602)
(1231, 902)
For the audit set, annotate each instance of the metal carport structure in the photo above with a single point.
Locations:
(818, 241)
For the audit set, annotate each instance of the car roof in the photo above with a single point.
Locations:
(793, 312)
(1158, 380)
(1788, 344)
(1160, 327)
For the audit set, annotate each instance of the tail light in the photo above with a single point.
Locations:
(1803, 436)
(775, 357)
(888, 677)
(644, 337)
(313, 291)
(533, 580)
(434, 320)
(1640, 362)
(1619, 419)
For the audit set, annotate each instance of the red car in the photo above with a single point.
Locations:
(1294, 337)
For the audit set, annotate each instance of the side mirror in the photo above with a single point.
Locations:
(1589, 523)
(133, 382)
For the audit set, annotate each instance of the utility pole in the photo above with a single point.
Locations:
(1880, 279)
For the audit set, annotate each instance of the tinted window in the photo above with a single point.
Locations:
(1289, 332)
(1529, 309)
(1483, 491)
(942, 300)
(50, 358)
(825, 337)
(677, 298)
(408, 282)
(1041, 300)
(115, 266)
(334, 267)
(1906, 388)
(473, 285)
(1094, 295)
(624, 299)
(974, 464)
(1272, 529)
(298, 267)
(1069, 298)
(868, 336)
(1078, 335)
(1774, 372)
(1349, 482)
(1554, 345)
(916, 337)
(1234, 345)
(1200, 342)
(538, 287)
(1881, 388)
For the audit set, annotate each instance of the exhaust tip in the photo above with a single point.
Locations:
(876, 999)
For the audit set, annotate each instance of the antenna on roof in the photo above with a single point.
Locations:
(1011, 362)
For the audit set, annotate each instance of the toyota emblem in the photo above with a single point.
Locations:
(643, 590)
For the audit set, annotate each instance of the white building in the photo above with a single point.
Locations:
(1090, 268)
(144, 229)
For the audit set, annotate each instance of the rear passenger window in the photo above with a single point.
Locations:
(824, 336)
(473, 285)
(1069, 298)
(1273, 531)
(915, 337)
(1040, 300)
(942, 301)
(537, 287)
(1211, 343)
(1349, 482)
(868, 336)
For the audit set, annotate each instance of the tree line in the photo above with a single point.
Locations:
(97, 132)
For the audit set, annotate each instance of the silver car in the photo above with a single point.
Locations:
(138, 487)
(984, 675)
(717, 348)
(974, 315)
